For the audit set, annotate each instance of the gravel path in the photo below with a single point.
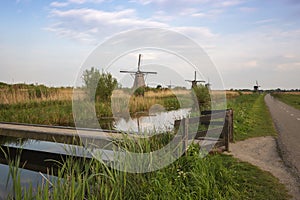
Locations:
(263, 152)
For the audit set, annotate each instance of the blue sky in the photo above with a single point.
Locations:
(47, 41)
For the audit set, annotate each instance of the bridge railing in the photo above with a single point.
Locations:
(213, 127)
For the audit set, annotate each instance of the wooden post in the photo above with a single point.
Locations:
(230, 123)
(185, 134)
(227, 130)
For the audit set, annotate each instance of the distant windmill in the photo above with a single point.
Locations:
(195, 81)
(208, 85)
(256, 87)
(139, 76)
(170, 85)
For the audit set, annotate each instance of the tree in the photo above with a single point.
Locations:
(202, 96)
(99, 86)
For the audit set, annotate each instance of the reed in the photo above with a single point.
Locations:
(190, 177)
(20, 95)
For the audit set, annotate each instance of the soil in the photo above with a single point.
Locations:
(263, 152)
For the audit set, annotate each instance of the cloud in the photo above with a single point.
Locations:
(294, 66)
(248, 9)
(90, 25)
(264, 21)
(250, 64)
(209, 14)
(182, 6)
(59, 4)
(229, 3)
(289, 56)
(196, 32)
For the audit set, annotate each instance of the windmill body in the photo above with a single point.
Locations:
(139, 76)
(195, 81)
(256, 87)
(139, 80)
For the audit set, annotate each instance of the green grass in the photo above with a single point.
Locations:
(190, 177)
(251, 117)
(290, 99)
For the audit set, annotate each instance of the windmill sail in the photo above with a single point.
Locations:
(139, 76)
(195, 81)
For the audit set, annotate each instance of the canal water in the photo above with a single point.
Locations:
(153, 123)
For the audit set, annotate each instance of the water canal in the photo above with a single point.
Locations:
(155, 122)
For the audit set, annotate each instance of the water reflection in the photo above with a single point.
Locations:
(152, 122)
(12, 140)
(27, 178)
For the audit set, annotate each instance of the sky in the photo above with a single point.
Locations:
(47, 42)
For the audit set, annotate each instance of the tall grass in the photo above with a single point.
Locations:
(14, 95)
(190, 177)
(123, 102)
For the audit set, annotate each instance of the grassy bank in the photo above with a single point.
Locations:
(190, 177)
(251, 117)
(290, 99)
(59, 112)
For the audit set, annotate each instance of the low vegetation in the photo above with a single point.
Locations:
(251, 117)
(292, 99)
(24, 93)
(190, 177)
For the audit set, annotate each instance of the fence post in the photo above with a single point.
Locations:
(227, 130)
(230, 124)
(185, 134)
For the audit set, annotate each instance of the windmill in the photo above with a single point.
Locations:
(195, 81)
(170, 85)
(139, 76)
(256, 87)
(208, 85)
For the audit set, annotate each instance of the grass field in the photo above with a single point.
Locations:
(251, 117)
(292, 99)
(190, 177)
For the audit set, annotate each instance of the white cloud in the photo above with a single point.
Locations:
(162, 16)
(209, 14)
(289, 56)
(59, 4)
(288, 67)
(248, 9)
(264, 21)
(92, 25)
(229, 3)
(196, 32)
(250, 64)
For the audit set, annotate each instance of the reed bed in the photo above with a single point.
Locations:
(15, 96)
(190, 177)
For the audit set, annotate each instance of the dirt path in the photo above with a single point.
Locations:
(263, 152)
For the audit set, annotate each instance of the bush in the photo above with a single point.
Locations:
(98, 85)
(202, 96)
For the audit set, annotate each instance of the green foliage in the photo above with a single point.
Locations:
(218, 177)
(139, 91)
(202, 96)
(99, 85)
(171, 103)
